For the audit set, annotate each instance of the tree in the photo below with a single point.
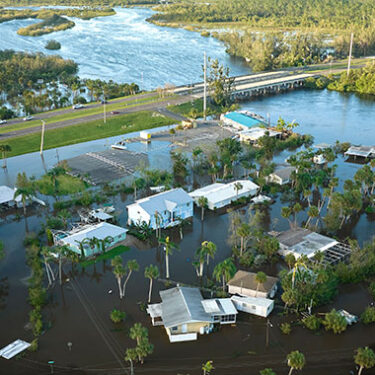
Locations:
(296, 361)
(181, 224)
(143, 349)
(180, 163)
(2, 252)
(151, 272)
(237, 186)
(131, 356)
(117, 316)
(119, 272)
(207, 367)
(209, 249)
(169, 246)
(224, 271)
(104, 242)
(267, 371)
(335, 321)
(244, 231)
(131, 265)
(138, 184)
(290, 260)
(62, 252)
(202, 203)
(24, 189)
(46, 254)
(260, 278)
(4, 149)
(364, 358)
(200, 254)
(138, 332)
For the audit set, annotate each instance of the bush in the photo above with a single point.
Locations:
(117, 316)
(33, 345)
(53, 44)
(335, 322)
(371, 289)
(312, 322)
(6, 113)
(368, 316)
(286, 329)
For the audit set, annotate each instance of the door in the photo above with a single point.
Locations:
(184, 328)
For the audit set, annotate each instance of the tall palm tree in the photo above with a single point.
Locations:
(260, 278)
(169, 246)
(24, 188)
(131, 356)
(54, 174)
(62, 251)
(224, 271)
(237, 186)
(209, 250)
(4, 149)
(202, 203)
(119, 271)
(104, 242)
(138, 332)
(181, 224)
(151, 272)
(201, 256)
(296, 361)
(81, 245)
(364, 358)
(46, 253)
(131, 265)
(244, 231)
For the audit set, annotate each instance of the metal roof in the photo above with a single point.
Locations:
(246, 280)
(257, 132)
(166, 200)
(257, 301)
(364, 151)
(13, 349)
(284, 173)
(182, 305)
(7, 195)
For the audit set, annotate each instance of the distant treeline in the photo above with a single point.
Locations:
(89, 3)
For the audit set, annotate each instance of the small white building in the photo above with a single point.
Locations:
(254, 305)
(244, 284)
(281, 176)
(220, 195)
(242, 120)
(252, 135)
(162, 210)
(184, 313)
(7, 198)
(361, 152)
(80, 236)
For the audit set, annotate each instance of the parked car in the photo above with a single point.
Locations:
(28, 118)
(78, 106)
(104, 102)
(3, 122)
(115, 112)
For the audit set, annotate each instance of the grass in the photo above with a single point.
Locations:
(107, 255)
(185, 109)
(87, 132)
(66, 185)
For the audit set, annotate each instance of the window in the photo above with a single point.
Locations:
(253, 307)
(174, 328)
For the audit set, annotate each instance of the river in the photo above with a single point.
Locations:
(126, 48)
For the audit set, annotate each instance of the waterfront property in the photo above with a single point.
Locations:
(245, 284)
(361, 152)
(7, 198)
(220, 195)
(242, 120)
(253, 135)
(254, 305)
(184, 313)
(162, 210)
(78, 239)
(301, 241)
(281, 176)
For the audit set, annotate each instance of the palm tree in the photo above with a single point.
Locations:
(237, 186)
(131, 265)
(4, 149)
(2, 252)
(364, 358)
(24, 188)
(53, 174)
(313, 212)
(181, 224)
(260, 278)
(119, 271)
(169, 246)
(63, 251)
(104, 242)
(201, 255)
(207, 367)
(202, 203)
(209, 249)
(138, 332)
(151, 272)
(244, 232)
(143, 349)
(81, 245)
(224, 271)
(296, 361)
(131, 356)
(158, 222)
(46, 253)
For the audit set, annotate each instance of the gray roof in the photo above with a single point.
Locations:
(165, 201)
(182, 305)
(246, 280)
(284, 173)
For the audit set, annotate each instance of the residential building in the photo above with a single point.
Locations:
(162, 210)
(220, 195)
(80, 236)
(184, 313)
(281, 176)
(244, 283)
(252, 135)
(363, 152)
(254, 305)
(7, 198)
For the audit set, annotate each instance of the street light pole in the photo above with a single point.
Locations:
(42, 138)
(204, 86)
(350, 53)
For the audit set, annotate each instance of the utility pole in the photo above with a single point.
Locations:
(104, 113)
(42, 138)
(204, 86)
(350, 53)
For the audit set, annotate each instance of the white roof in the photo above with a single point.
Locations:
(7, 195)
(13, 349)
(257, 301)
(222, 192)
(257, 132)
(167, 200)
(261, 198)
(99, 231)
(364, 151)
(100, 214)
(154, 310)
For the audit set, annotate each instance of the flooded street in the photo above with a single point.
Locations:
(79, 311)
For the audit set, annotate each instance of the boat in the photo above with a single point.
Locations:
(119, 145)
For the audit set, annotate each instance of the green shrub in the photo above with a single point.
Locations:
(368, 316)
(117, 316)
(53, 45)
(335, 322)
(312, 322)
(286, 328)
(33, 345)
(371, 289)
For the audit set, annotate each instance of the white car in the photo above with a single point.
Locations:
(28, 118)
(78, 106)
(3, 122)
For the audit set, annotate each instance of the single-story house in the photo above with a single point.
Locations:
(254, 305)
(252, 135)
(7, 198)
(184, 313)
(242, 120)
(162, 210)
(301, 241)
(281, 176)
(220, 195)
(244, 283)
(361, 152)
(83, 234)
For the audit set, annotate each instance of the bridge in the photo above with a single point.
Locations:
(254, 84)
